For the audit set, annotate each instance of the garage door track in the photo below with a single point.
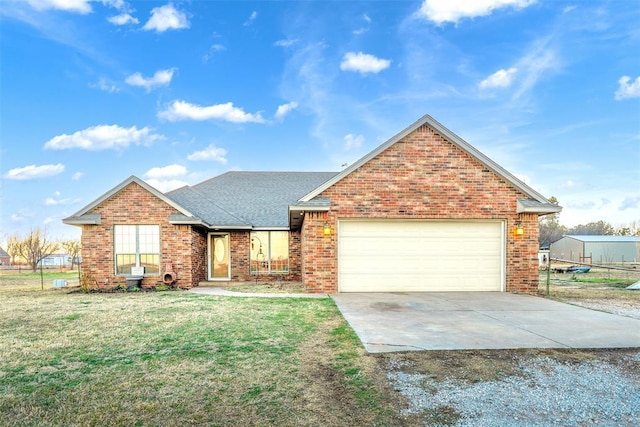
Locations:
(388, 322)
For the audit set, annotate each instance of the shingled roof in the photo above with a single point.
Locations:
(252, 199)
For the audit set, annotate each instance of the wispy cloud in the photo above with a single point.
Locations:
(211, 153)
(103, 137)
(160, 78)
(628, 88)
(285, 109)
(353, 141)
(251, 19)
(363, 63)
(286, 42)
(363, 29)
(632, 202)
(104, 85)
(182, 110)
(34, 172)
(123, 19)
(56, 200)
(215, 48)
(501, 78)
(76, 176)
(74, 6)
(165, 18)
(441, 11)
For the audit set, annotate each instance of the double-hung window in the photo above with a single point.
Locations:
(269, 252)
(137, 246)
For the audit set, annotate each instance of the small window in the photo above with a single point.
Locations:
(269, 252)
(137, 246)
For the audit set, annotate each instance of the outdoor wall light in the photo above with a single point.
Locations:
(326, 229)
(519, 229)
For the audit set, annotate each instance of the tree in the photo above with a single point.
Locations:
(600, 228)
(550, 228)
(36, 246)
(14, 248)
(72, 248)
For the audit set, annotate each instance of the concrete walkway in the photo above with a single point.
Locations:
(226, 293)
(479, 320)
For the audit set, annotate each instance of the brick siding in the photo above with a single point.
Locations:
(423, 176)
(180, 245)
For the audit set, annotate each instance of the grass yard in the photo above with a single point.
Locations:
(173, 358)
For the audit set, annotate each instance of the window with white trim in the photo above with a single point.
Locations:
(269, 252)
(137, 246)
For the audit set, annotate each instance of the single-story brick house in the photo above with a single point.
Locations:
(424, 211)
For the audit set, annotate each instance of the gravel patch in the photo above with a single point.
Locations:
(620, 307)
(544, 392)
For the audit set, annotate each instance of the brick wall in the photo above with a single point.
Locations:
(423, 176)
(180, 245)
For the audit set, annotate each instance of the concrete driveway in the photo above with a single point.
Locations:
(388, 322)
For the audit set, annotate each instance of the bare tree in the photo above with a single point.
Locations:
(36, 246)
(14, 248)
(72, 248)
(550, 228)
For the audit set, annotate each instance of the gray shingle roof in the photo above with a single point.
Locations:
(258, 199)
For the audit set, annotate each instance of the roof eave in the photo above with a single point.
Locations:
(83, 220)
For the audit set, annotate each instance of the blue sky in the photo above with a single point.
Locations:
(177, 92)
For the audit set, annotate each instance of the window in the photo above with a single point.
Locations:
(137, 246)
(269, 252)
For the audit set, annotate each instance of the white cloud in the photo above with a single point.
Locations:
(285, 109)
(165, 18)
(56, 200)
(103, 137)
(76, 176)
(286, 42)
(501, 78)
(75, 6)
(441, 11)
(160, 78)
(105, 86)
(626, 89)
(353, 141)
(213, 49)
(212, 152)
(252, 18)
(123, 19)
(34, 172)
(363, 63)
(182, 110)
(165, 185)
(166, 172)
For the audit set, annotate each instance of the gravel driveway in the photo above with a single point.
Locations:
(538, 387)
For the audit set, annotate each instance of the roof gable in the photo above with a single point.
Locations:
(84, 215)
(539, 203)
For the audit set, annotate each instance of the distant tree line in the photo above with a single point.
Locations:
(551, 230)
(35, 246)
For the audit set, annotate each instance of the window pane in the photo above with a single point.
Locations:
(149, 238)
(259, 252)
(150, 262)
(279, 251)
(125, 239)
(124, 262)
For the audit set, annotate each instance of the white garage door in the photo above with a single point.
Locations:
(418, 256)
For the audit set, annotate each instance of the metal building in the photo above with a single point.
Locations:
(597, 249)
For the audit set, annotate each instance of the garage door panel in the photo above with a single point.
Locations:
(386, 255)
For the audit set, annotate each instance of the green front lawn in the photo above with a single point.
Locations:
(173, 358)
